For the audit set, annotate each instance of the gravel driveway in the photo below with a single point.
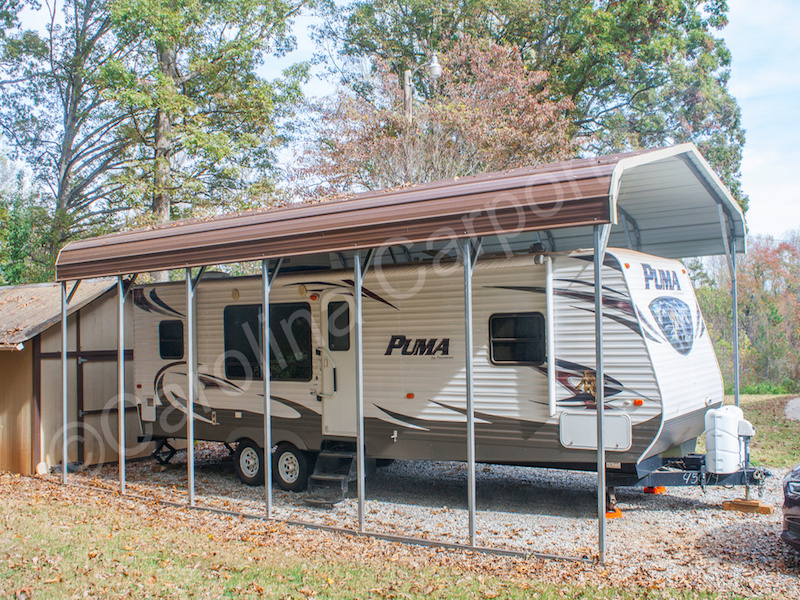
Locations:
(684, 536)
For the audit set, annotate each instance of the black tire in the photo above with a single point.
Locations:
(248, 460)
(290, 467)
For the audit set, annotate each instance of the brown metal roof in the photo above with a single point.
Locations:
(27, 310)
(570, 194)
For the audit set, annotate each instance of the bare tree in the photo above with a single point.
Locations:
(487, 112)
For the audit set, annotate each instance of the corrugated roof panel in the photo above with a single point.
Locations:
(656, 188)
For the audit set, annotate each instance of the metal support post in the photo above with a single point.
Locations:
(729, 244)
(121, 381)
(468, 268)
(266, 377)
(735, 302)
(266, 284)
(599, 255)
(191, 371)
(360, 450)
(64, 390)
(550, 322)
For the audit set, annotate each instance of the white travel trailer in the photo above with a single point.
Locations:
(534, 383)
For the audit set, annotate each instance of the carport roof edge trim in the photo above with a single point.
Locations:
(713, 183)
(586, 191)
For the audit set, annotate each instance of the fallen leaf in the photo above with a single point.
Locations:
(307, 591)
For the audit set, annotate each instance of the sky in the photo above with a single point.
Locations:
(765, 79)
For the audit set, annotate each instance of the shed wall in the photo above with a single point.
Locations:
(92, 380)
(16, 411)
(51, 398)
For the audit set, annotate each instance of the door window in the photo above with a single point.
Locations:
(338, 326)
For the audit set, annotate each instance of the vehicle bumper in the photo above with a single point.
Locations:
(791, 531)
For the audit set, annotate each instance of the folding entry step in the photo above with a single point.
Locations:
(336, 468)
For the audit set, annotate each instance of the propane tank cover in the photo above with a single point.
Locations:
(724, 452)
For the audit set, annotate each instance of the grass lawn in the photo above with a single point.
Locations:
(74, 543)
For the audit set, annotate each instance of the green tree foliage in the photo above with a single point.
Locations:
(638, 73)
(24, 226)
(57, 118)
(205, 124)
(769, 312)
(135, 107)
(9, 11)
(488, 113)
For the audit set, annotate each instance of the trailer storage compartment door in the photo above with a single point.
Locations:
(578, 430)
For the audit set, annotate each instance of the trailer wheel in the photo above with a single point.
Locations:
(290, 467)
(249, 462)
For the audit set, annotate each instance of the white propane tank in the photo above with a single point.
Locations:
(723, 448)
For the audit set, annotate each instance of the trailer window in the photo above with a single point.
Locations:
(517, 338)
(290, 341)
(170, 339)
(339, 326)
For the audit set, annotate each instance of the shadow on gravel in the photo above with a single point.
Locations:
(752, 544)
(523, 490)
(633, 499)
(430, 484)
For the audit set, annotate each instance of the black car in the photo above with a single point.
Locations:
(791, 508)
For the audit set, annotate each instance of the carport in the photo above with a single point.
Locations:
(666, 202)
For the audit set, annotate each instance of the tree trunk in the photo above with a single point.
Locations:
(162, 175)
(61, 225)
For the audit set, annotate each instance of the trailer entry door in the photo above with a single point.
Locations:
(338, 366)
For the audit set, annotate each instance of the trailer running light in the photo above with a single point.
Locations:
(410, 396)
(638, 402)
(313, 297)
(627, 266)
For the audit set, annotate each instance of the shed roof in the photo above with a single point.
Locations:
(667, 202)
(27, 310)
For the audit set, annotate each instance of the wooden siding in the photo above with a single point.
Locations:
(16, 411)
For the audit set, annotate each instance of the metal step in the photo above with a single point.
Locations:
(330, 477)
(321, 501)
(336, 454)
(334, 470)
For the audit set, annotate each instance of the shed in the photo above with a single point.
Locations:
(30, 371)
